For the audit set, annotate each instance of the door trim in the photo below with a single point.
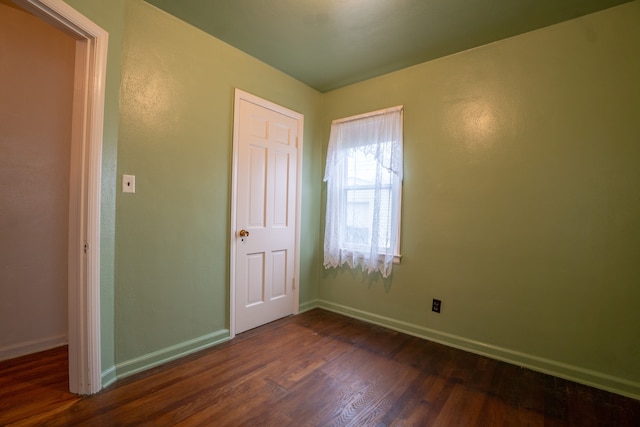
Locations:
(242, 95)
(84, 192)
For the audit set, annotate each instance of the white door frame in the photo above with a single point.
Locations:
(242, 95)
(84, 192)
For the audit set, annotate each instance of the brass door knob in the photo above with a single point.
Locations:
(244, 233)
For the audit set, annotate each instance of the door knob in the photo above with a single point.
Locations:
(243, 233)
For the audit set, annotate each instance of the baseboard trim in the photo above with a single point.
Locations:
(159, 357)
(108, 376)
(308, 305)
(33, 346)
(569, 372)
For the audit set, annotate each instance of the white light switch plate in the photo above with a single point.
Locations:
(128, 183)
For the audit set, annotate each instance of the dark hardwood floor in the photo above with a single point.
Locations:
(314, 369)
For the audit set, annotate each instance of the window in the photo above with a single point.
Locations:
(364, 185)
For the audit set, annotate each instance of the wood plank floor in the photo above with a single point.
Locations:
(314, 369)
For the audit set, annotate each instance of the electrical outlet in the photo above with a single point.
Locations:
(436, 305)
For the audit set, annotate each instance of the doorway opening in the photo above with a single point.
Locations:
(84, 189)
(36, 87)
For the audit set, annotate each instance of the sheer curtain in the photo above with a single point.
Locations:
(364, 181)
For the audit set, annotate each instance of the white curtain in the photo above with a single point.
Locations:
(364, 175)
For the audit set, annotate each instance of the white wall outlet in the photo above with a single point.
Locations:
(128, 183)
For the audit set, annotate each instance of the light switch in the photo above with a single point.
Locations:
(128, 183)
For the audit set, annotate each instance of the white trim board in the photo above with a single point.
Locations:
(577, 374)
(33, 346)
(168, 354)
(85, 188)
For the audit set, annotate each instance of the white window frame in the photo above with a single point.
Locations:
(351, 253)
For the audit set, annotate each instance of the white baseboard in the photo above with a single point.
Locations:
(108, 376)
(308, 305)
(577, 374)
(159, 357)
(33, 346)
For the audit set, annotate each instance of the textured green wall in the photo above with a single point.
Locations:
(109, 16)
(520, 204)
(172, 235)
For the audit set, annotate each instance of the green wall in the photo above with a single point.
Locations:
(520, 202)
(172, 239)
(520, 205)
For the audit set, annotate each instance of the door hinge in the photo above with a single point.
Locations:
(293, 283)
(85, 247)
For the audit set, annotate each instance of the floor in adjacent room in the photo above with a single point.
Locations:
(314, 369)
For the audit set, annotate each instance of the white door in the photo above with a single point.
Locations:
(265, 212)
